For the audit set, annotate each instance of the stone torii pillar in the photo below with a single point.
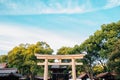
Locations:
(46, 70)
(73, 69)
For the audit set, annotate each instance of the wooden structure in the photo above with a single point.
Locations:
(59, 58)
(40, 78)
(59, 72)
(9, 74)
(105, 76)
(83, 76)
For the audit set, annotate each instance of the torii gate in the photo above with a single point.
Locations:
(59, 57)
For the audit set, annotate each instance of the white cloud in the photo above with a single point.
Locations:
(11, 36)
(37, 7)
(63, 10)
(112, 3)
(24, 7)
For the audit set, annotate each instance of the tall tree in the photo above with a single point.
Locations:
(114, 58)
(23, 57)
(65, 51)
(3, 58)
(98, 47)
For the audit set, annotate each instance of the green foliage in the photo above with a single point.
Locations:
(99, 46)
(100, 49)
(114, 58)
(65, 51)
(98, 69)
(3, 59)
(23, 58)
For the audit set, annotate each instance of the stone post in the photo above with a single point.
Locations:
(46, 70)
(73, 70)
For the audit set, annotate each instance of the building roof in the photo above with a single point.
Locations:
(83, 76)
(4, 72)
(11, 74)
(8, 70)
(58, 66)
(104, 74)
(41, 78)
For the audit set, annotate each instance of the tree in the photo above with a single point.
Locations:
(3, 59)
(98, 47)
(114, 59)
(65, 51)
(97, 69)
(23, 57)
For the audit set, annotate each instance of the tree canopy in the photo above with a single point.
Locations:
(98, 48)
(100, 45)
(23, 58)
(114, 58)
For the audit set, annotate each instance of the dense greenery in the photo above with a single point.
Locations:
(102, 53)
(99, 49)
(65, 50)
(114, 59)
(100, 45)
(22, 57)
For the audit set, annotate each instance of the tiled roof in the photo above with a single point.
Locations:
(8, 70)
(83, 75)
(58, 66)
(103, 74)
(11, 74)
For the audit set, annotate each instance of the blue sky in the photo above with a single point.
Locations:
(57, 22)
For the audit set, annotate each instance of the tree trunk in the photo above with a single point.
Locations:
(90, 73)
(32, 77)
